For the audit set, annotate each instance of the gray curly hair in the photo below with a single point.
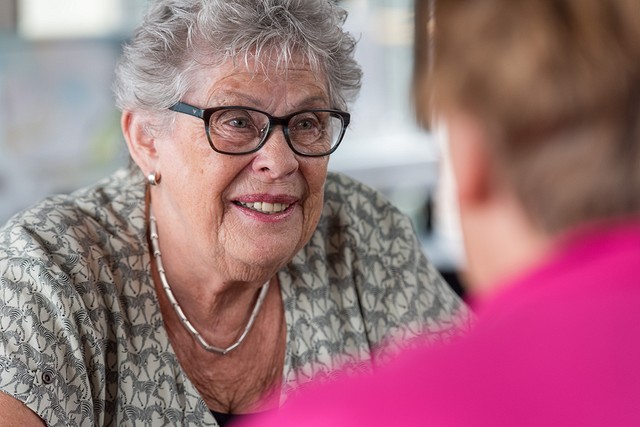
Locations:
(177, 36)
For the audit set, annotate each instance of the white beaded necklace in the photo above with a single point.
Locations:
(174, 302)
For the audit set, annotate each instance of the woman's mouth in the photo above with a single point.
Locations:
(264, 207)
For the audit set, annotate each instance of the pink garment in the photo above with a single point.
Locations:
(560, 346)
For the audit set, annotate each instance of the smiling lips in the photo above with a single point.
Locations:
(265, 207)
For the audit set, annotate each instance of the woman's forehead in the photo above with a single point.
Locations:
(233, 75)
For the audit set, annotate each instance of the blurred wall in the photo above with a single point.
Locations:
(59, 129)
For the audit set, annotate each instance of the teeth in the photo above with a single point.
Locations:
(265, 207)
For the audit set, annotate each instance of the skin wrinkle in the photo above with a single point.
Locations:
(223, 387)
(223, 383)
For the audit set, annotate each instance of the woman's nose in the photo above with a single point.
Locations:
(276, 157)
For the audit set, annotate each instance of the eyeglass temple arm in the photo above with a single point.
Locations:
(182, 107)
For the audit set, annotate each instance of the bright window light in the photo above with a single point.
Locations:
(46, 19)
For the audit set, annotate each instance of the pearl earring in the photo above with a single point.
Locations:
(153, 178)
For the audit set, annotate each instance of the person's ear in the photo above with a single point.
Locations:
(140, 141)
(470, 158)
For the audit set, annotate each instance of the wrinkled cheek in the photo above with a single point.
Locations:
(315, 173)
(312, 214)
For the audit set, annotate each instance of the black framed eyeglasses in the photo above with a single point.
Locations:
(239, 130)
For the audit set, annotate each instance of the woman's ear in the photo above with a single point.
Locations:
(140, 142)
(470, 158)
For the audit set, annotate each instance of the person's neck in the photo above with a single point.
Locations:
(501, 243)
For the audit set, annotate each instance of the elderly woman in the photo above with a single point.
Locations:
(542, 102)
(225, 269)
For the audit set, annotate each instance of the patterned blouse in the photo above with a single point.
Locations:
(82, 337)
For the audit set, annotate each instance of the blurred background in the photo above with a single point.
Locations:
(59, 129)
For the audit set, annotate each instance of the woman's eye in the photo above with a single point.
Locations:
(232, 120)
(240, 123)
(306, 124)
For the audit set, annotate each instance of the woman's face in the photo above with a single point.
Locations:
(240, 217)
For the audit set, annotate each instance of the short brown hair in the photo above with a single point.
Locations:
(557, 84)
